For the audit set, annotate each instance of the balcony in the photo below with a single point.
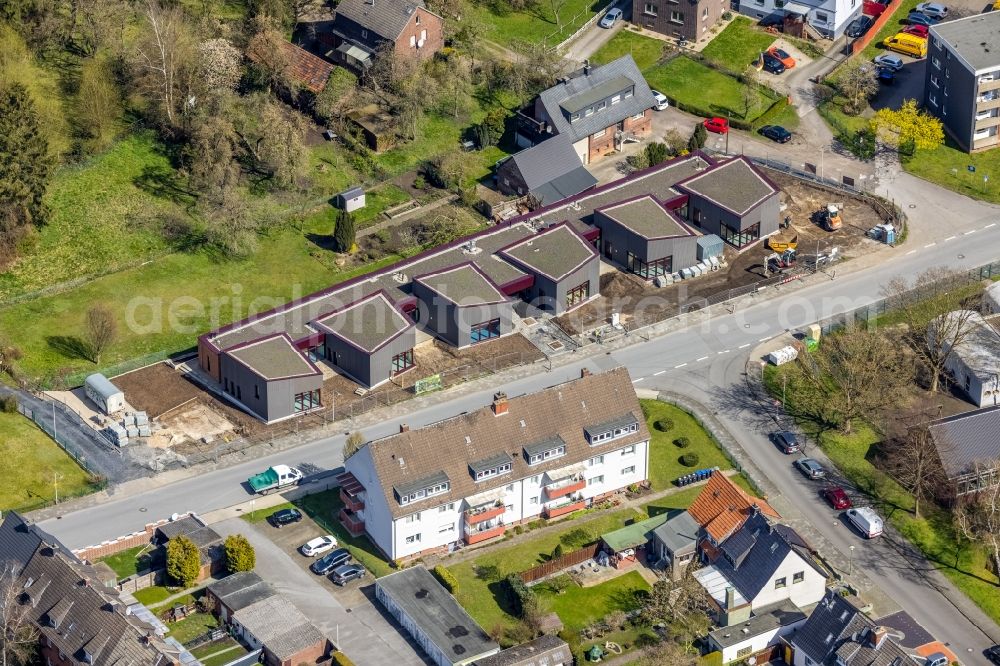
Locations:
(478, 514)
(983, 123)
(352, 522)
(564, 487)
(989, 85)
(352, 502)
(563, 509)
(483, 533)
(986, 142)
(987, 104)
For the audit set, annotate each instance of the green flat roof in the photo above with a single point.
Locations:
(635, 534)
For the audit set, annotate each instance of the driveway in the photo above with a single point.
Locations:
(909, 84)
(351, 621)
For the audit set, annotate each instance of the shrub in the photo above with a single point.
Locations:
(489, 573)
(341, 659)
(726, 15)
(8, 404)
(576, 538)
(689, 459)
(664, 425)
(522, 598)
(240, 555)
(682, 442)
(420, 183)
(557, 552)
(447, 579)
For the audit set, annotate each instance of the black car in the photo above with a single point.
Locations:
(993, 654)
(285, 517)
(773, 21)
(772, 64)
(859, 26)
(345, 573)
(919, 18)
(787, 441)
(886, 76)
(330, 561)
(776, 133)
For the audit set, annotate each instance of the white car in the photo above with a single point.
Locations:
(319, 545)
(893, 62)
(661, 100)
(609, 19)
(934, 10)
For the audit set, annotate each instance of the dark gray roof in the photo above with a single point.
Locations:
(544, 445)
(274, 357)
(184, 525)
(543, 651)
(610, 424)
(646, 217)
(549, 159)
(679, 533)
(857, 647)
(555, 252)
(436, 614)
(352, 192)
(420, 484)
(463, 285)
(781, 614)
(370, 323)
(597, 92)
(584, 86)
(964, 439)
(735, 185)
(386, 18)
(975, 38)
(234, 583)
(562, 187)
(906, 630)
(279, 625)
(19, 539)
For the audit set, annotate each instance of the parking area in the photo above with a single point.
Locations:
(348, 616)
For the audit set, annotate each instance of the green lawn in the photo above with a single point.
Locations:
(664, 455)
(219, 653)
(377, 200)
(155, 594)
(702, 90)
(738, 45)
(579, 606)
(127, 562)
(947, 166)
(646, 51)
(40, 461)
(192, 627)
(537, 25)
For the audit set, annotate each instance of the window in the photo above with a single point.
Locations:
(535, 479)
(597, 460)
(494, 471)
(798, 577)
(934, 81)
(739, 238)
(486, 330)
(932, 99)
(600, 106)
(589, 112)
(600, 133)
(436, 489)
(595, 480)
(742, 653)
(417, 19)
(306, 401)
(256, 392)
(779, 583)
(413, 518)
(364, 34)
(650, 9)
(614, 434)
(239, 392)
(628, 470)
(575, 117)
(532, 500)
(450, 527)
(704, 13)
(402, 362)
(423, 35)
(413, 41)
(536, 458)
(617, 98)
(578, 294)
(822, 17)
(649, 270)
(639, 116)
(450, 506)
(510, 488)
(414, 538)
(628, 450)
(936, 62)
(628, 93)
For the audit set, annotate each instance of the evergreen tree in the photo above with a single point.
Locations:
(240, 555)
(343, 232)
(183, 561)
(698, 138)
(25, 165)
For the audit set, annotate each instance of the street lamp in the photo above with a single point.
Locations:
(850, 562)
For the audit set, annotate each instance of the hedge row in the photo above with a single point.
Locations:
(521, 596)
(446, 578)
(772, 112)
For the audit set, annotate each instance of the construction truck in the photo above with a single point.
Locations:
(783, 241)
(830, 218)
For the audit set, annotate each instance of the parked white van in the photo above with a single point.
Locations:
(866, 520)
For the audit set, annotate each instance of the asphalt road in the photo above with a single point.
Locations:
(706, 358)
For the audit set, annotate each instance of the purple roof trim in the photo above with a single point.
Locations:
(391, 304)
(421, 278)
(670, 213)
(518, 284)
(767, 181)
(284, 336)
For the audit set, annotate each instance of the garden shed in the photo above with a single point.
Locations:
(627, 542)
(351, 199)
(104, 394)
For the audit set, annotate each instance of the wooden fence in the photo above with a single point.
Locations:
(557, 564)
(142, 580)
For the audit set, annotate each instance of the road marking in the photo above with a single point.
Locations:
(764, 339)
(700, 359)
(677, 367)
(745, 346)
(969, 233)
(657, 374)
(911, 252)
(725, 351)
(992, 224)
(636, 381)
(949, 238)
(929, 245)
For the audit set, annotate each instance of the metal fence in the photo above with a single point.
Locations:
(48, 425)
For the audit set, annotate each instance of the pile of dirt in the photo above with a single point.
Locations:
(156, 389)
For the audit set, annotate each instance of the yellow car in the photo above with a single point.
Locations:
(996, 5)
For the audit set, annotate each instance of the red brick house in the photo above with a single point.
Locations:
(362, 27)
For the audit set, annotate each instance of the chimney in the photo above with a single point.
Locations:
(404, 427)
(586, 67)
(500, 403)
(584, 372)
(730, 598)
(878, 636)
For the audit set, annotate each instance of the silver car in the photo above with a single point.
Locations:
(811, 468)
(935, 10)
(893, 62)
(609, 19)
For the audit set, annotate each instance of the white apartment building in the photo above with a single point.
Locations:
(828, 17)
(466, 479)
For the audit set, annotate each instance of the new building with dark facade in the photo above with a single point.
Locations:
(689, 20)
(464, 306)
(962, 85)
(566, 267)
(645, 237)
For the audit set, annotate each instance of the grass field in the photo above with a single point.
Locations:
(219, 653)
(738, 45)
(947, 166)
(664, 455)
(538, 25)
(150, 596)
(706, 90)
(646, 51)
(192, 627)
(579, 606)
(29, 484)
(127, 562)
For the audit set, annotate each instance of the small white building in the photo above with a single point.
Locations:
(828, 17)
(466, 479)
(760, 633)
(991, 299)
(975, 362)
(108, 397)
(351, 200)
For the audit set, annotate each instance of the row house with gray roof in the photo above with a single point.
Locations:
(968, 448)
(467, 479)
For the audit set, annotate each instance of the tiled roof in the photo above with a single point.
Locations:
(543, 651)
(386, 18)
(722, 506)
(555, 252)
(647, 218)
(463, 285)
(369, 324)
(735, 185)
(273, 357)
(451, 445)
(965, 439)
(306, 68)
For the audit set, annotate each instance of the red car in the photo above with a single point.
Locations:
(916, 30)
(717, 125)
(837, 498)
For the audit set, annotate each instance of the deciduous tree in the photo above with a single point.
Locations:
(98, 104)
(271, 137)
(978, 517)
(750, 90)
(857, 83)
(354, 442)
(914, 460)
(240, 555)
(266, 51)
(907, 125)
(18, 635)
(183, 561)
(219, 66)
(101, 330)
(163, 51)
